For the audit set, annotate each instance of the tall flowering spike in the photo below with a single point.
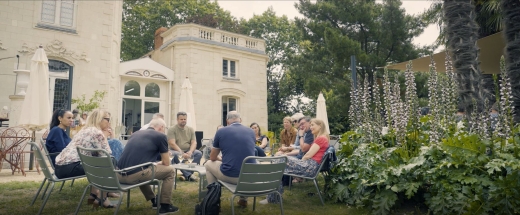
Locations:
(411, 99)
(354, 108)
(366, 110)
(451, 88)
(433, 103)
(378, 107)
(506, 96)
(387, 98)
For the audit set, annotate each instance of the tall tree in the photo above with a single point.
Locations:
(280, 35)
(142, 17)
(462, 35)
(511, 14)
(488, 17)
(333, 30)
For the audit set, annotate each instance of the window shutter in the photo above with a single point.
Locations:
(48, 11)
(67, 13)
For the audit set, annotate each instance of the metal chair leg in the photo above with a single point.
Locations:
(128, 199)
(119, 202)
(81, 200)
(46, 198)
(72, 182)
(254, 203)
(158, 199)
(319, 193)
(232, 206)
(38, 192)
(290, 182)
(45, 191)
(62, 183)
(281, 202)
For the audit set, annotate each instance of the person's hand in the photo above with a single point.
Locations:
(110, 134)
(301, 132)
(186, 156)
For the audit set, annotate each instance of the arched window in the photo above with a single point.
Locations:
(132, 88)
(152, 90)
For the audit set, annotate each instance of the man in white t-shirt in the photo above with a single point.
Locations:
(155, 116)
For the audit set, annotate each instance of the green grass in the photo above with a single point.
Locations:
(16, 197)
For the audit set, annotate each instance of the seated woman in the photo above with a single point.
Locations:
(115, 145)
(262, 142)
(287, 136)
(90, 136)
(311, 161)
(58, 139)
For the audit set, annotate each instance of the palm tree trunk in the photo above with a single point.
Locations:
(511, 15)
(462, 35)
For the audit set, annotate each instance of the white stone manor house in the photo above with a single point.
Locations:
(82, 40)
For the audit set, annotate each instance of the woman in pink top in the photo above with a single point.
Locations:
(310, 162)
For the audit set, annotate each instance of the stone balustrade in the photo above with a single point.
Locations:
(181, 31)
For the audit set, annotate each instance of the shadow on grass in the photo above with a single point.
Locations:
(17, 196)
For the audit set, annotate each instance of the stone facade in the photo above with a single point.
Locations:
(198, 53)
(83, 34)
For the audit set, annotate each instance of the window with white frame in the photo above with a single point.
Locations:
(229, 68)
(58, 14)
(228, 104)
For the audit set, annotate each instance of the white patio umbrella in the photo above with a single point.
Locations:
(36, 109)
(186, 103)
(321, 112)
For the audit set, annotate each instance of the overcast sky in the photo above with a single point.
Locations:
(247, 8)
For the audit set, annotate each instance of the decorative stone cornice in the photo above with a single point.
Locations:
(56, 49)
(1, 46)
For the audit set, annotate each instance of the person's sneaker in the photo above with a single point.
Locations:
(242, 203)
(264, 202)
(168, 209)
(182, 178)
(193, 178)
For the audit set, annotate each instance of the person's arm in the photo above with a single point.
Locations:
(312, 151)
(303, 145)
(51, 142)
(165, 159)
(264, 142)
(99, 136)
(213, 156)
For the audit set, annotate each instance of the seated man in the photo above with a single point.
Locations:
(143, 147)
(236, 142)
(181, 139)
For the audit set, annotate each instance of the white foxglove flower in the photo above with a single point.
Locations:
(460, 125)
(384, 131)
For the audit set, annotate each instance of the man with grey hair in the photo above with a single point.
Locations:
(143, 147)
(155, 116)
(182, 140)
(236, 142)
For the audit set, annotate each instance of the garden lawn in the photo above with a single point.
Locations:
(16, 197)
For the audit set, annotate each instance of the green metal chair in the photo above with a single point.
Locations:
(258, 179)
(49, 176)
(48, 155)
(326, 157)
(102, 175)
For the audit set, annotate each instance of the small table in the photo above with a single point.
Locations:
(202, 174)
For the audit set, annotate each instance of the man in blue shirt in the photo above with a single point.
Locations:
(236, 142)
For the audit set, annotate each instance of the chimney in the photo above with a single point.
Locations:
(158, 41)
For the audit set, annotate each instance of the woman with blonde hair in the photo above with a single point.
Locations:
(90, 136)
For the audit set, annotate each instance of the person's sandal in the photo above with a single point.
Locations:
(113, 195)
(96, 202)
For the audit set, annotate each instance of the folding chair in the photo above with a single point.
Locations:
(102, 175)
(258, 179)
(48, 155)
(50, 177)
